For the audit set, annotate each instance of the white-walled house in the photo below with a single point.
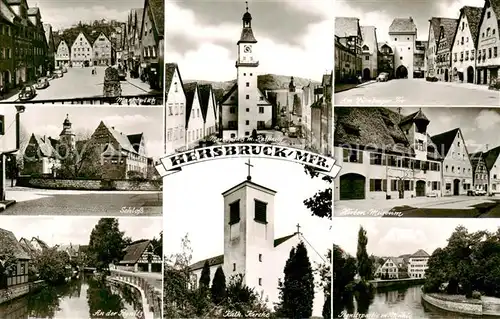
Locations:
(175, 110)
(492, 162)
(208, 109)
(63, 54)
(81, 51)
(194, 117)
(457, 168)
(402, 36)
(443, 63)
(418, 264)
(384, 155)
(250, 248)
(464, 43)
(390, 268)
(479, 170)
(140, 256)
(488, 60)
(370, 52)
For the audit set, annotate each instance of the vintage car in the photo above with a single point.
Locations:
(42, 83)
(64, 69)
(58, 73)
(383, 77)
(476, 192)
(121, 74)
(27, 93)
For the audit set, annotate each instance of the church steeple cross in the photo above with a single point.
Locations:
(298, 228)
(246, 3)
(249, 177)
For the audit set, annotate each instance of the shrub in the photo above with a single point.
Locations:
(476, 294)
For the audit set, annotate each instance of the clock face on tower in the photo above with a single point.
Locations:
(247, 49)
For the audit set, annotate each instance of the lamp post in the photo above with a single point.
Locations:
(19, 109)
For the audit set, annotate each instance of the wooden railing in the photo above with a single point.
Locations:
(153, 304)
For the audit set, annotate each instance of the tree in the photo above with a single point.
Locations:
(218, 289)
(320, 204)
(297, 288)
(106, 243)
(158, 244)
(325, 274)
(205, 276)
(241, 299)
(364, 262)
(51, 266)
(24, 139)
(83, 161)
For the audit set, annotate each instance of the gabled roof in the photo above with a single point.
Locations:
(419, 254)
(46, 145)
(403, 25)
(347, 27)
(369, 34)
(419, 115)
(219, 260)
(473, 15)
(229, 93)
(86, 37)
(27, 246)
(434, 24)
(9, 244)
(190, 90)
(204, 90)
(383, 44)
(170, 69)
(134, 251)
(495, 6)
(156, 13)
(121, 139)
(475, 159)
(490, 157)
(33, 11)
(445, 140)
(448, 27)
(40, 242)
(135, 140)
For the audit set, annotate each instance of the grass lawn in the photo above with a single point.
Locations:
(480, 210)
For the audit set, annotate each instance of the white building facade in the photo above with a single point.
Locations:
(488, 61)
(402, 36)
(194, 117)
(81, 52)
(63, 54)
(418, 264)
(370, 52)
(175, 112)
(102, 51)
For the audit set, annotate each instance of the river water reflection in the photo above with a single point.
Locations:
(402, 303)
(80, 298)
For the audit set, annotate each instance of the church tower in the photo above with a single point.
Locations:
(248, 93)
(249, 233)
(67, 135)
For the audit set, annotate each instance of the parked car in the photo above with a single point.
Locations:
(476, 192)
(42, 83)
(64, 69)
(58, 73)
(383, 77)
(27, 93)
(121, 74)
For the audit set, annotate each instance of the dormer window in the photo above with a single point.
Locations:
(176, 87)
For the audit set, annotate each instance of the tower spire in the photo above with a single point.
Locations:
(249, 177)
(246, 3)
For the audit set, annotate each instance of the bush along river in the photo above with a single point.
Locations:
(89, 296)
(402, 302)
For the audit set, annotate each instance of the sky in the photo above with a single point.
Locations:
(479, 126)
(62, 230)
(392, 237)
(294, 37)
(381, 13)
(62, 14)
(194, 205)
(48, 121)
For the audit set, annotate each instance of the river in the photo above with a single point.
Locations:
(80, 298)
(403, 303)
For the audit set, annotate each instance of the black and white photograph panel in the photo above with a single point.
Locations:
(82, 52)
(416, 268)
(80, 160)
(417, 162)
(80, 267)
(252, 243)
(249, 71)
(417, 52)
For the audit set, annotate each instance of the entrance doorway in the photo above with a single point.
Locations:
(446, 75)
(470, 74)
(366, 74)
(456, 187)
(420, 189)
(352, 186)
(401, 72)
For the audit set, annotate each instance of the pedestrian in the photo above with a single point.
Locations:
(1, 91)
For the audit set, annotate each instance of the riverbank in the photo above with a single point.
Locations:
(486, 306)
(389, 283)
(20, 290)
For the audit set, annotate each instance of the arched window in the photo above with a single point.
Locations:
(365, 48)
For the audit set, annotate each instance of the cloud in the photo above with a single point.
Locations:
(403, 237)
(48, 130)
(154, 148)
(323, 8)
(487, 119)
(210, 60)
(378, 18)
(62, 18)
(125, 120)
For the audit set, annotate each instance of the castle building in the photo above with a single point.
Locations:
(403, 35)
(245, 108)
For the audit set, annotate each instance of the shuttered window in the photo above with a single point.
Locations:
(234, 212)
(378, 185)
(260, 212)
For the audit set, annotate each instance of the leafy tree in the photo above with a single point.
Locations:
(242, 299)
(83, 161)
(320, 204)
(106, 243)
(158, 244)
(324, 271)
(51, 266)
(205, 276)
(297, 288)
(343, 271)
(364, 263)
(218, 289)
